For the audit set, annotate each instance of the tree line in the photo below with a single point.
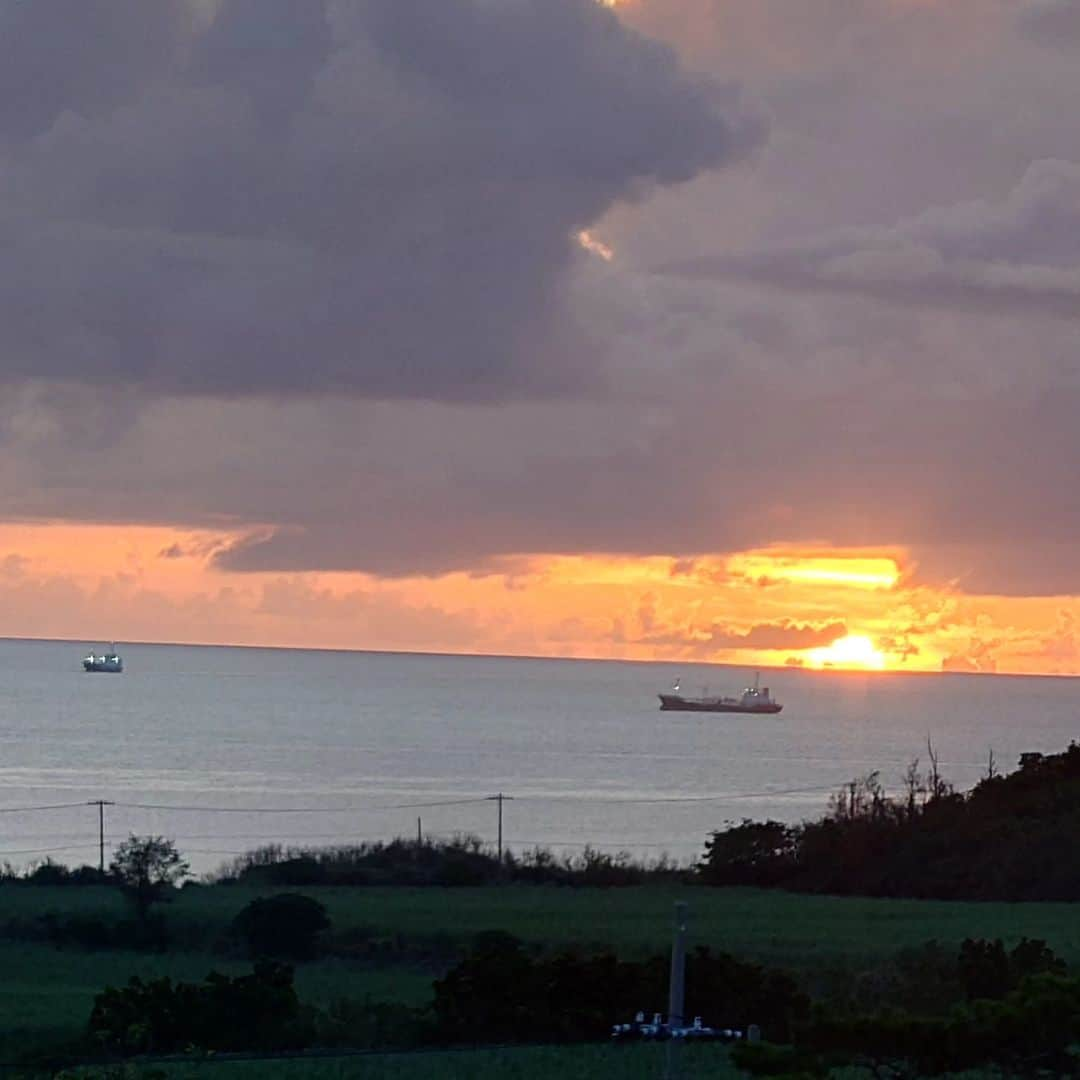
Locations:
(1000, 841)
(1003, 840)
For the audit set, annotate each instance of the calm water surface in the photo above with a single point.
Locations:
(225, 749)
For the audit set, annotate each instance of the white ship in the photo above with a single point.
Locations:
(109, 661)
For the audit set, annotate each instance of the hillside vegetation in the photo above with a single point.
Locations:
(1006, 839)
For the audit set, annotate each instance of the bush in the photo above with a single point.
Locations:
(259, 1011)
(464, 860)
(503, 991)
(286, 926)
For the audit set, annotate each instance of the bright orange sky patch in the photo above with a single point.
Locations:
(852, 569)
(770, 607)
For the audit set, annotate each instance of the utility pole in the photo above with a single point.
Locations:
(500, 798)
(101, 804)
(676, 988)
(419, 834)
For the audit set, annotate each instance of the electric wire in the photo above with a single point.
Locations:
(345, 836)
(30, 809)
(434, 803)
(299, 809)
(680, 798)
(48, 850)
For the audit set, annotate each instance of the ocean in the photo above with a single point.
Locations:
(228, 749)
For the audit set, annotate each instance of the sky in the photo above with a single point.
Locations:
(649, 329)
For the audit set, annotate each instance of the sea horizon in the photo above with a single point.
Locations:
(834, 669)
(225, 748)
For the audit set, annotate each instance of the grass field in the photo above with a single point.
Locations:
(787, 929)
(514, 1063)
(47, 992)
(784, 928)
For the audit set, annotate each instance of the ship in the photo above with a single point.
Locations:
(109, 661)
(754, 699)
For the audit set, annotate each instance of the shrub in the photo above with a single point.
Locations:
(286, 925)
(259, 1011)
(503, 991)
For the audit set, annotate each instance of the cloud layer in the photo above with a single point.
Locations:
(1021, 253)
(279, 198)
(308, 272)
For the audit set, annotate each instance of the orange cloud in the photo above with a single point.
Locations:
(822, 607)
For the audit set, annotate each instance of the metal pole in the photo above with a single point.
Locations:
(500, 798)
(676, 989)
(419, 834)
(101, 804)
(678, 968)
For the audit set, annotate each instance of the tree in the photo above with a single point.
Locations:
(751, 853)
(259, 1011)
(146, 868)
(283, 925)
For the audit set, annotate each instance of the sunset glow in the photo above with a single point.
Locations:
(853, 651)
(524, 351)
(848, 609)
(596, 247)
(854, 570)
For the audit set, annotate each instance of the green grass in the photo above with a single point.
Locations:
(517, 1063)
(49, 992)
(781, 928)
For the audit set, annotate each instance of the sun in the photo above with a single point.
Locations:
(853, 651)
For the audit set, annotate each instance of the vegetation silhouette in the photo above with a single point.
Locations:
(502, 990)
(147, 869)
(1003, 840)
(285, 926)
(259, 1011)
(461, 861)
(1016, 1011)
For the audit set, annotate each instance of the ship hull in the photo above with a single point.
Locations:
(93, 665)
(675, 703)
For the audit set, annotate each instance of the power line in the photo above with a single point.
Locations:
(595, 800)
(589, 844)
(346, 836)
(47, 850)
(28, 809)
(466, 801)
(601, 801)
(297, 809)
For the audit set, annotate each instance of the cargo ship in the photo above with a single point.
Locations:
(754, 699)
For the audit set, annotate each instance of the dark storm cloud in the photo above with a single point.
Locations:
(368, 197)
(308, 200)
(87, 56)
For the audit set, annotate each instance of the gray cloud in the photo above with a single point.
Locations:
(848, 435)
(1022, 253)
(880, 347)
(334, 196)
(1051, 22)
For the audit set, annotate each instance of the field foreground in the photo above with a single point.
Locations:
(388, 944)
